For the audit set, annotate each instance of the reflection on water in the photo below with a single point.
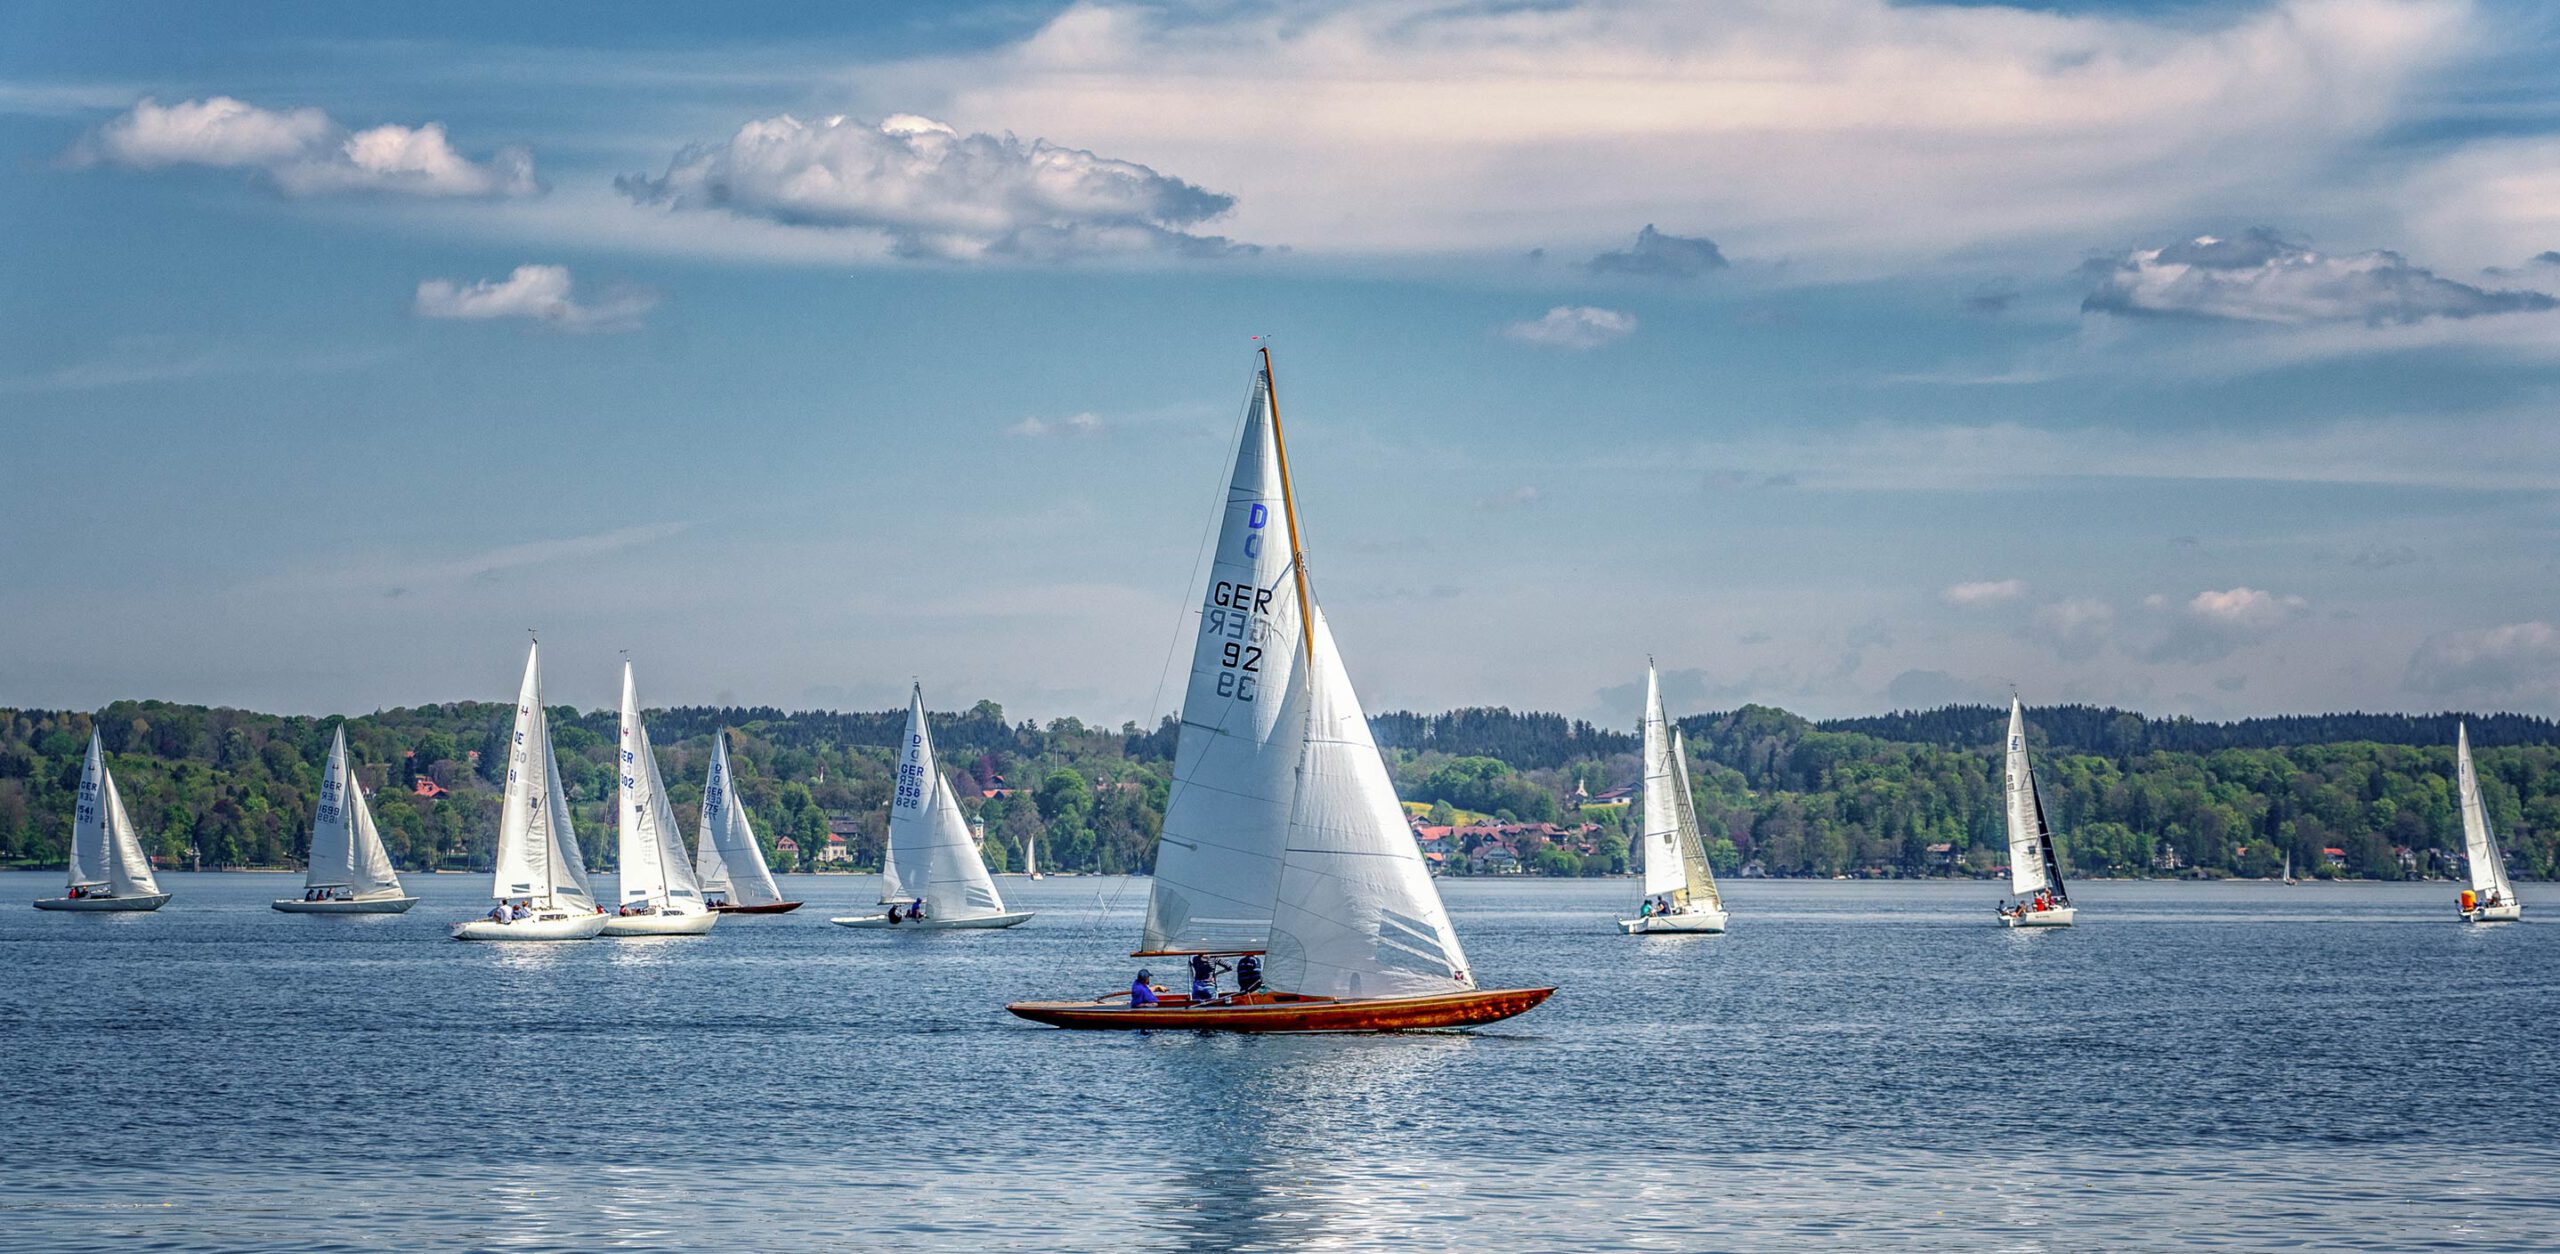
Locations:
(2196, 1066)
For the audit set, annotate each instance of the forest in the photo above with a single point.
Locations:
(1912, 793)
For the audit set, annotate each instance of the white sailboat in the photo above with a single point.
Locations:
(2035, 873)
(1679, 887)
(348, 870)
(2288, 868)
(1031, 857)
(932, 877)
(659, 894)
(540, 877)
(729, 863)
(2491, 898)
(1283, 839)
(108, 870)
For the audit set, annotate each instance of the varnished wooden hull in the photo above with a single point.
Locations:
(1288, 1012)
(779, 907)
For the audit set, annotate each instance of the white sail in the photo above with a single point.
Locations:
(729, 862)
(88, 860)
(1701, 878)
(655, 871)
(371, 873)
(128, 868)
(331, 862)
(1356, 914)
(2480, 851)
(1031, 856)
(1236, 761)
(930, 855)
(1663, 875)
(2032, 867)
(538, 858)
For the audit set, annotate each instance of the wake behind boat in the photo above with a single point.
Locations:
(659, 894)
(931, 877)
(1282, 836)
(2035, 873)
(728, 862)
(2492, 896)
(108, 870)
(540, 880)
(1679, 887)
(347, 871)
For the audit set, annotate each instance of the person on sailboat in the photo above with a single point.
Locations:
(1204, 977)
(1141, 991)
(1248, 974)
(915, 910)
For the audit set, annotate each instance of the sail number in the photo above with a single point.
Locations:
(1238, 619)
(911, 778)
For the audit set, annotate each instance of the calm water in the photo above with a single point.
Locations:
(2241, 1066)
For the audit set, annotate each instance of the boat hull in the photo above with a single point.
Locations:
(881, 922)
(1288, 1012)
(2510, 912)
(1693, 923)
(361, 905)
(152, 901)
(774, 907)
(558, 927)
(2059, 916)
(659, 924)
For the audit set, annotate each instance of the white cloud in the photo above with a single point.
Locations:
(2074, 629)
(542, 293)
(2214, 625)
(302, 151)
(1984, 592)
(1576, 327)
(2517, 664)
(937, 193)
(2263, 277)
(1076, 424)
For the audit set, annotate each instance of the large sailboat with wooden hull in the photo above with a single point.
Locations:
(2492, 896)
(108, 869)
(2035, 872)
(1680, 893)
(659, 894)
(1283, 839)
(931, 877)
(728, 862)
(540, 880)
(347, 871)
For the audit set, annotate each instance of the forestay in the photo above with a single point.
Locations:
(729, 861)
(2480, 853)
(930, 855)
(2032, 866)
(655, 871)
(537, 858)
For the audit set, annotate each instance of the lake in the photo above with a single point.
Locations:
(2245, 1066)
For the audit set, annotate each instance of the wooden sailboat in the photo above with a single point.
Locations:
(540, 873)
(2491, 897)
(108, 870)
(1680, 893)
(931, 878)
(348, 871)
(2035, 873)
(659, 894)
(1283, 838)
(728, 862)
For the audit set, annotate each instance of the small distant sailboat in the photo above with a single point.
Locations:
(1282, 835)
(108, 870)
(729, 863)
(932, 877)
(2288, 868)
(348, 871)
(1031, 857)
(1675, 857)
(659, 894)
(538, 861)
(2491, 897)
(2035, 874)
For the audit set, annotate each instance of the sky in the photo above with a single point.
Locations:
(1839, 355)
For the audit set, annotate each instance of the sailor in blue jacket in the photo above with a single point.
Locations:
(1141, 992)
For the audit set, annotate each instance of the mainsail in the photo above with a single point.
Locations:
(655, 871)
(2480, 851)
(729, 861)
(538, 858)
(930, 855)
(346, 848)
(1675, 856)
(2032, 865)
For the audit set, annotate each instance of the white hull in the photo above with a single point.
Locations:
(881, 921)
(360, 905)
(2059, 916)
(660, 924)
(151, 902)
(557, 927)
(2511, 912)
(1694, 923)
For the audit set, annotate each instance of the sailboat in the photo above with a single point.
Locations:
(2035, 874)
(1031, 857)
(1283, 839)
(2491, 898)
(1675, 858)
(2288, 868)
(729, 864)
(348, 871)
(539, 869)
(931, 877)
(659, 894)
(108, 869)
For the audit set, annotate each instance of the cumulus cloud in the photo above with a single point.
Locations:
(302, 151)
(937, 193)
(2075, 629)
(1984, 592)
(541, 293)
(2261, 276)
(2518, 663)
(1076, 424)
(2214, 625)
(1660, 256)
(1577, 327)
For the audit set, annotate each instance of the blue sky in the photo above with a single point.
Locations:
(803, 351)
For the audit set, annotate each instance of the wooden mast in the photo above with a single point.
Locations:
(1289, 503)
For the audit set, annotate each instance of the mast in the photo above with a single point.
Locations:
(1289, 508)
